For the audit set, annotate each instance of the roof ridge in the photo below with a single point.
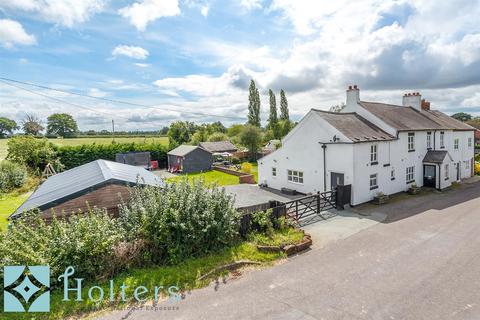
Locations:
(332, 112)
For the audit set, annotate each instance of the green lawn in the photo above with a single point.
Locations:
(216, 177)
(90, 140)
(8, 204)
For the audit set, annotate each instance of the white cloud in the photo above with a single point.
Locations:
(64, 12)
(142, 65)
(251, 4)
(130, 51)
(95, 92)
(141, 13)
(12, 33)
(204, 10)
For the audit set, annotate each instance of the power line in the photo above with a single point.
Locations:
(117, 101)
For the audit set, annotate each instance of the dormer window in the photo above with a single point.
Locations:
(411, 141)
(373, 154)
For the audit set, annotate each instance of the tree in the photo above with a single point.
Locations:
(7, 126)
(235, 130)
(251, 138)
(199, 136)
(338, 107)
(475, 122)
(61, 124)
(285, 127)
(462, 116)
(253, 105)
(215, 127)
(31, 124)
(218, 136)
(181, 131)
(283, 106)
(273, 119)
(32, 152)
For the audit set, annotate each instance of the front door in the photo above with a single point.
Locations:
(335, 180)
(429, 176)
(458, 171)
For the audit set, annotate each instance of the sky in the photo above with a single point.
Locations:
(193, 60)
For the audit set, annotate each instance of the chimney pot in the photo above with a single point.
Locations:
(355, 86)
(349, 87)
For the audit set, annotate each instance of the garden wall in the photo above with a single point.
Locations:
(242, 176)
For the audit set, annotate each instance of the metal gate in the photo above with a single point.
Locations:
(313, 205)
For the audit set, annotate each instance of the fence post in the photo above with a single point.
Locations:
(318, 202)
(296, 210)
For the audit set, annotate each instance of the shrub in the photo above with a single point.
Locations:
(12, 176)
(181, 220)
(477, 168)
(73, 156)
(33, 152)
(263, 221)
(247, 167)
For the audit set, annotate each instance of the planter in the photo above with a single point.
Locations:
(414, 190)
(380, 199)
(290, 248)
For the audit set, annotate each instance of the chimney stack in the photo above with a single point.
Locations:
(425, 105)
(353, 97)
(413, 100)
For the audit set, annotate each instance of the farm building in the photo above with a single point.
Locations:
(219, 146)
(189, 159)
(99, 183)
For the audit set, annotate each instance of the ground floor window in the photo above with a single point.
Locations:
(467, 165)
(392, 174)
(295, 176)
(410, 174)
(447, 172)
(373, 181)
(274, 172)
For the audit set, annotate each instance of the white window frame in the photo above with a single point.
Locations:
(374, 181)
(274, 171)
(442, 139)
(410, 174)
(447, 171)
(374, 154)
(456, 144)
(392, 174)
(429, 140)
(411, 141)
(469, 142)
(295, 176)
(467, 165)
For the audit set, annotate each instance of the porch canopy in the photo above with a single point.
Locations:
(436, 156)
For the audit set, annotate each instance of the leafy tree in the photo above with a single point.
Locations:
(251, 138)
(462, 116)
(218, 136)
(31, 124)
(61, 124)
(235, 130)
(253, 105)
(283, 106)
(215, 127)
(181, 131)
(475, 122)
(7, 126)
(199, 136)
(32, 152)
(273, 119)
(285, 127)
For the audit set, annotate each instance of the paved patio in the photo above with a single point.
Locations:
(248, 195)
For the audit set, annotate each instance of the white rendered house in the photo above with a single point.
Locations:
(375, 147)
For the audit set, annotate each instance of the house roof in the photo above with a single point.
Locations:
(354, 127)
(218, 146)
(436, 156)
(65, 185)
(407, 118)
(182, 150)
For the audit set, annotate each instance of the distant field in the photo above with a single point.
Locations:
(84, 140)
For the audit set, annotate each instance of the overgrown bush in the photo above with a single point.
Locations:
(33, 152)
(73, 156)
(247, 167)
(477, 168)
(12, 176)
(181, 220)
(263, 221)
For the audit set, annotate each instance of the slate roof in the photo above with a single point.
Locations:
(68, 184)
(407, 118)
(218, 146)
(436, 156)
(354, 127)
(182, 150)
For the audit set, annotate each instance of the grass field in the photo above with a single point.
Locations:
(8, 204)
(84, 140)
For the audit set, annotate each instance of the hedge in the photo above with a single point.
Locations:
(74, 156)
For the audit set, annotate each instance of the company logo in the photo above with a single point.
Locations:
(26, 289)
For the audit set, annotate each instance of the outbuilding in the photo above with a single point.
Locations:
(189, 159)
(219, 146)
(101, 184)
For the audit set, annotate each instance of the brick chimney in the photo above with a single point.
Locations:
(412, 100)
(425, 105)
(353, 97)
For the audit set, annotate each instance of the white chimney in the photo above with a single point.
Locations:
(353, 97)
(412, 100)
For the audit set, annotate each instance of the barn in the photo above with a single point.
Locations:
(99, 183)
(189, 159)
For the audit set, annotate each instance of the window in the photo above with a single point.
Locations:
(447, 172)
(373, 181)
(295, 176)
(274, 172)
(373, 154)
(467, 165)
(429, 140)
(469, 142)
(410, 175)
(411, 141)
(456, 142)
(442, 140)
(392, 174)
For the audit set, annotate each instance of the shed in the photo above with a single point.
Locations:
(219, 146)
(189, 159)
(139, 159)
(99, 183)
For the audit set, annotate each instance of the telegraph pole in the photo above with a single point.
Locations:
(113, 129)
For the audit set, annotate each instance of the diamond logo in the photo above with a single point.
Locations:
(26, 289)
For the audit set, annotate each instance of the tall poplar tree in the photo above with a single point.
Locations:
(283, 106)
(273, 118)
(253, 105)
